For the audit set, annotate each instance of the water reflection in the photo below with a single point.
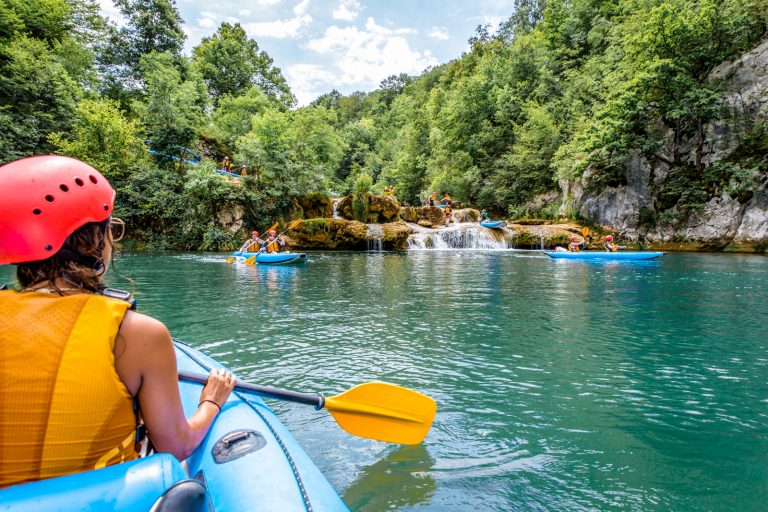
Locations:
(401, 479)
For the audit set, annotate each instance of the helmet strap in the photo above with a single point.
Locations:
(96, 264)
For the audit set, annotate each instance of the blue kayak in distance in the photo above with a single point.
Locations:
(248, 461)
(604, 255)
(273, 258)
(493, 224)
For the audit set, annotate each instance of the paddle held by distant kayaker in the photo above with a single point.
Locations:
(82, 374)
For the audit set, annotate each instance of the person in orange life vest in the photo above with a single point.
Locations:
(272, 243)
(574, 245)
(243, 170)
(447, 200)
(78, 365)
(433, 199)
(448, 215)
(610, 246)
(252, 244)
(226, 165)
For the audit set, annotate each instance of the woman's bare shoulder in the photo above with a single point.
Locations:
(138, 328)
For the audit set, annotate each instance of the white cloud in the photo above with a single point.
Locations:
(308, 81)
(282, 29)
(440, 33)
(347, 10)
(362, 58)
(244, 13)
(267, 3)
(109, 10)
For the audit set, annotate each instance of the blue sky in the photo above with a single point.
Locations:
(348, 45)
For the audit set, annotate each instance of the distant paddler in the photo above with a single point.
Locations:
(610, 246)
(574, 245)
(273, 242)
(252, 244)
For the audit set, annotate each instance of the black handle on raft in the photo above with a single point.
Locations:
(316, 399)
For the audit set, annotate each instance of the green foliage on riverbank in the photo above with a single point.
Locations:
(561, 87)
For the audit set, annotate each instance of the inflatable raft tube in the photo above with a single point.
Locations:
(493, 224)
(603, 255)
(273, 258)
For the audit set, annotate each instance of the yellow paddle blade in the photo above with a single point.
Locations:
(585, 231)
(293, 225)
(270, 228)
(385, 412)
(250, 261)
(229, 260)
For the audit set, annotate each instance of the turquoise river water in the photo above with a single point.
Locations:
(561, 386)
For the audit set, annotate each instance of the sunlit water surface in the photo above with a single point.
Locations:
(561, 386)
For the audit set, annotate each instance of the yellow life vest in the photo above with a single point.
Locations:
(63, 408)
(272, 246)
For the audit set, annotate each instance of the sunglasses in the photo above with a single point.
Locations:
(117, 227)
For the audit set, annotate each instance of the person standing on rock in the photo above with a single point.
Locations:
(448, 215)
(447, 201)
(433, 199)
(483, 215)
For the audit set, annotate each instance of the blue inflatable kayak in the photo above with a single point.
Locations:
(493, 224)
(227, 173)
(603, 255)
(272, 258)
(249, 461)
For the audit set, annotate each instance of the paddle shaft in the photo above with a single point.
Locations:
(315, 399)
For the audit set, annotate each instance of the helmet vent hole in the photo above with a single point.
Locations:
(48, 247)
(64, 188)
(79, 182)
(106, 207)
(92, 178)
(37, 211)
(49, 198)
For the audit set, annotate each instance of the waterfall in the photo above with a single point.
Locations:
(375, 238)
(336, 209)
(456, 236)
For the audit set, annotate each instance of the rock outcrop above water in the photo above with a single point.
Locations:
(731, 220)
(343, 234)
(379, 209)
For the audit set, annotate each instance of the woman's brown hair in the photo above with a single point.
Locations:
(76, 262)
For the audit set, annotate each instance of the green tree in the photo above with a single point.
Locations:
(231, 63)
(151, 26)
(174, 107)
(104, 138)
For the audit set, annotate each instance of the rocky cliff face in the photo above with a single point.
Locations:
(730, 219)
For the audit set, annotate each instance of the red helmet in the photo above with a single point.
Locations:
(609, 238)
(272, 232)
(254, 233)
(43, 200)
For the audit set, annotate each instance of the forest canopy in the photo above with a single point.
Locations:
(560, 87)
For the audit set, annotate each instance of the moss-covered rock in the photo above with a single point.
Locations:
(427, 216)
(316, 206)
(396, 235)
(376, 209)
(328, 234)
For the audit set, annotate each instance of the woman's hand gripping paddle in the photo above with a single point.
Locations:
(374, 410)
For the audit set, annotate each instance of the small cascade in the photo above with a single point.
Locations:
(375, 238)
(336, 209)
(456, 236)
